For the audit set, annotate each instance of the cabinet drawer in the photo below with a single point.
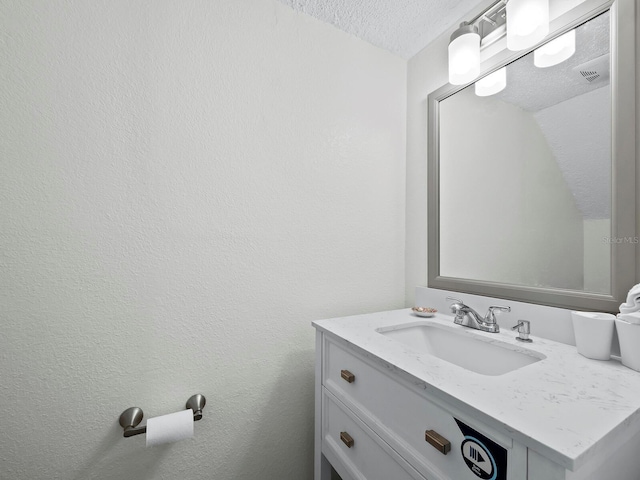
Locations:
(354, 450)
(401, 417)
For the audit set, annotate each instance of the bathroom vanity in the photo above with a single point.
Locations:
(403, 397)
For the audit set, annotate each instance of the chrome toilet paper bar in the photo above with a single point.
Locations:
(131, 417)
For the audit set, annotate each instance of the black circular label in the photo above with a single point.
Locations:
(478, 459)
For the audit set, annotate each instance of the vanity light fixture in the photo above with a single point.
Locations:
(556, 51)
(492, 84)
(464, 54)
(526, 23)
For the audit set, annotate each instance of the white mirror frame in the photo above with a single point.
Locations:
(623, 157)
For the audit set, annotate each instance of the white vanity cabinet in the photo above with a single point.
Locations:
(375, 425)
(388, 411)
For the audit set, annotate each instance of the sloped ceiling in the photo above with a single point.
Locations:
(403, 27)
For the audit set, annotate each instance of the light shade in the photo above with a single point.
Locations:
(527, 23)
(556, 51)
(464, 55)
(492, 84)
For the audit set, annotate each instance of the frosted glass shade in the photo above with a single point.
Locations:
(527, 23)
(556, 51)
(491, 84)
(464, 58)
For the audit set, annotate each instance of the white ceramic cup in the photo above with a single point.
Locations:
(593, 333)
(629, 337)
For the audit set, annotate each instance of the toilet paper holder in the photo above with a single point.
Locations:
(131, 417)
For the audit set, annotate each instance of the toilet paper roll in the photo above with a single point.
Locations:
(170, 428)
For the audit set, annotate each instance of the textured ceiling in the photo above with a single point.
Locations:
(534, 89)
(403, 27)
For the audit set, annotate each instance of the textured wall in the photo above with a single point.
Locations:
(426, 72)
(184, 186)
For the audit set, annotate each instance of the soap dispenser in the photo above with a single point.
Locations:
(524, 328)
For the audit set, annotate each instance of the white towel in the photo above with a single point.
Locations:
(633, 301)
(633, 318)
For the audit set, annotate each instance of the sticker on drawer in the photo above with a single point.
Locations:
(484, 457)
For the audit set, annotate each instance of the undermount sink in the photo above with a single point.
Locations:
(462, 348)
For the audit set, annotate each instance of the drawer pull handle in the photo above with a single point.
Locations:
(348, 376)
(346, 439)
(437, 441)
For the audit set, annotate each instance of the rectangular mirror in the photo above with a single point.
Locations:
(531, 191)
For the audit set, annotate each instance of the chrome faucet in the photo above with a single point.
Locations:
(468, 317)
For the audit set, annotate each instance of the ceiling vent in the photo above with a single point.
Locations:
(595, 70)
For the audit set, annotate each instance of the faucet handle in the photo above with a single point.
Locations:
(499, 308)
(457, 306)
(491, 316)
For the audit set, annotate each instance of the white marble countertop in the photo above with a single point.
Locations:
(566, 407)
